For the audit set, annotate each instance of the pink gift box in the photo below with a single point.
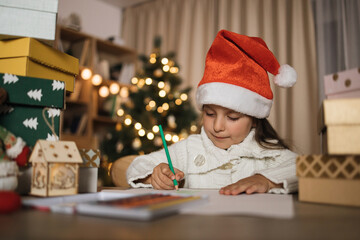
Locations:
(345, 84)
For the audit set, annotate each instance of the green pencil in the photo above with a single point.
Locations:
(168, 156)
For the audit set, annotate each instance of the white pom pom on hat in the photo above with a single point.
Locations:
(286, 77)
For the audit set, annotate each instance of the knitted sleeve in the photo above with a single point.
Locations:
(284, 172)
(143, 165)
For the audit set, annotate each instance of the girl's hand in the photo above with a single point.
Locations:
(162, 177)
(254, 184)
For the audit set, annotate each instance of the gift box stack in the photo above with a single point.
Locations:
(34, 78)
(334, 177)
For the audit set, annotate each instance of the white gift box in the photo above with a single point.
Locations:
(28, 18)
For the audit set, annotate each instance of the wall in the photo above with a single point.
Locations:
(97, 18)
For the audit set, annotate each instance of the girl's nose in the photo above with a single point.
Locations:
(219, 124)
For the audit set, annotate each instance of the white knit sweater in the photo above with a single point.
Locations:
(207, 166)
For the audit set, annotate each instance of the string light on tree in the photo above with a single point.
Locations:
(120, 112)
(134, 80)
(128, 120)
(174, 70)
(138, 126)
(124, 92)
(166, 68)
(104, 91)
(155, 129)
(164, 61)
(175, 138)
(96, 80)
(168, 137)
(183, 96)
(141, 132)
(150, 135)
(114, 88)
(161, 84)
(148, 81)
(162, 93)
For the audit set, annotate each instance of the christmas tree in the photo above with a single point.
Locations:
(154, 99)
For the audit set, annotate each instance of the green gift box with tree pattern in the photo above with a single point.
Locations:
(32, 107)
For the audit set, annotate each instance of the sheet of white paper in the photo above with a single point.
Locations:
(265, 205)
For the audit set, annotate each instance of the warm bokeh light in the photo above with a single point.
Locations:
(162, 93)
(184, 96)
(153, 55)
(148, 81)
(136, 143)
(150, 136)
(166, 68)
(134, 80)
(96, 80)
(168, 137)
(158, 141)
(165, 106)
(118, 127)
(167, 88)
(124, 92)
(128, 120)
(114, 88)
(175, 138)
(178, 102)
(193, 128)
(161, 84)
(155, 129)
(164, 61)
(104, 91)
(152, 60)
(86, 74)
(141, 132)
(138, 126)
(141, 83)
(160, 110)
(174, 70)
(120, 112)
(152, 103)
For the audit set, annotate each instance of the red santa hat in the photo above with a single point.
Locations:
(236, 75)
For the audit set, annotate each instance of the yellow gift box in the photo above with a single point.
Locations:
(29, 57)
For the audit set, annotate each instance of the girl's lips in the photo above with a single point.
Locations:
(220, 138)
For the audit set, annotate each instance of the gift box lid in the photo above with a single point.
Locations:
(90, 157)
(33, 91)
(328, 166)
(40, 53)
(339, 112)
(38, 5)
(341, 82)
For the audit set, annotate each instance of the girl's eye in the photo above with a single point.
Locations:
(209, 114)
(233, 118)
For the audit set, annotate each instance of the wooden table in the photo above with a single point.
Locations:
(311, 221)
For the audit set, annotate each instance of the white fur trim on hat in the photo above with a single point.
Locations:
(286, 77)
(15, 150)
(233, 97)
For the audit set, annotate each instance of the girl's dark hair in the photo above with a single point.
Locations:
(266, 136)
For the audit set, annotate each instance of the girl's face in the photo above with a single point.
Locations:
(225, 127)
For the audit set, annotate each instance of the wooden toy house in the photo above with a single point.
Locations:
(55, 168)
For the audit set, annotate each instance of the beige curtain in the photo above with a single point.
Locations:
(188, 28)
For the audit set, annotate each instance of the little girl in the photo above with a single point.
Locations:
(237, 150)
